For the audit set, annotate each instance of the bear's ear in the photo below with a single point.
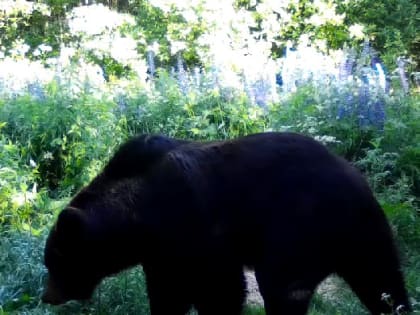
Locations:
(71, 222)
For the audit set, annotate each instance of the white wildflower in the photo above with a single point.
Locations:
(356, 31)
(32, 163)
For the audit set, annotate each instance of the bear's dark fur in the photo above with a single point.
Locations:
(194, 214)
(137, 156)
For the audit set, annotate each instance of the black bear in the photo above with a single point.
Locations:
(138, 155)
(194, 214)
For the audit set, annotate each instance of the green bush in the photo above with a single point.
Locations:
(331, 114)
(206, 115)
(317, 111)
(392, 24)
(18, 189)
(402, 135)
(67, 137)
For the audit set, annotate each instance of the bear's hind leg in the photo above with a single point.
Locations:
(371, 266)
(287, 291)
(380, 288)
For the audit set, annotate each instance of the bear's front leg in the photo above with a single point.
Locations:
(167, 290)
(220, 288)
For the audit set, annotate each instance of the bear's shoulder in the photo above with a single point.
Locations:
(139, 154)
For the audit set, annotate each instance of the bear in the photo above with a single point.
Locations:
(195, 214)
(139, 154)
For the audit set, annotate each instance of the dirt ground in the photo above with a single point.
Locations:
(326, 288)
(254, 297)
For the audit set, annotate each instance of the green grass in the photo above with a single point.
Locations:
(254, 310)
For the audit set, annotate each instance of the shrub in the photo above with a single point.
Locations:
(198, 114)
(18, 188)
(67, 137)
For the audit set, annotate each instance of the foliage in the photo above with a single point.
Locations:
(203, 32)
(319, 111)
(21, 273)
(392, 25)
(18, 188)
(386, 150)
(402, 135)
(112, 43)
(167, 27)
(65, 137)
(39, 26)
(209, 115)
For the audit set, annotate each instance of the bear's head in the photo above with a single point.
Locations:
(97, 235)
(71, 259)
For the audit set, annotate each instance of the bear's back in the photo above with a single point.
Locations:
(269, 173)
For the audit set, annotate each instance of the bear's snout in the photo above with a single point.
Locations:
(48, 299)
(52, 295)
